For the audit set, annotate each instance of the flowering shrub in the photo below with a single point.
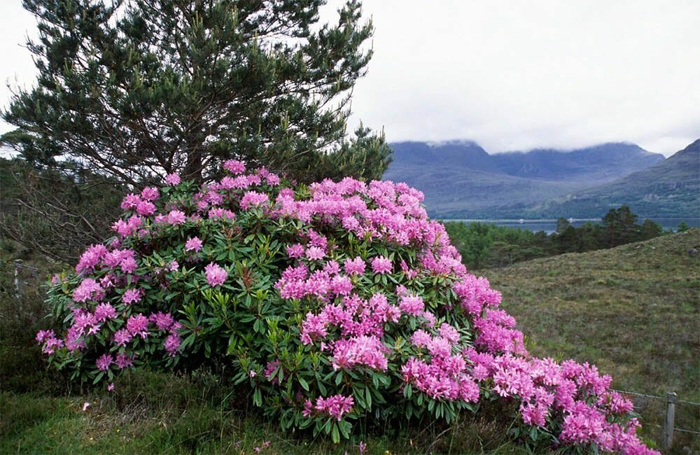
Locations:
(333, 302)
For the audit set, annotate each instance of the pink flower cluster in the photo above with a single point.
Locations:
(50, 343)
(544, 387)
(172, 179)
(216, 275)
(381, 265)
(445, 375)
(98, 256)
(297, 283)
(363, 350)
(354, 317)
(234, 166)
(334, 406)
(193, 244)
(253, 199)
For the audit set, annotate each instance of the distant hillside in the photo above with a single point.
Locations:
(669, 188)
(460, 179)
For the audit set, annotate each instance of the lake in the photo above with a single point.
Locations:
(550, 225)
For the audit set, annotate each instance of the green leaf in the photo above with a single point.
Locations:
(335, 435)
(257, 398)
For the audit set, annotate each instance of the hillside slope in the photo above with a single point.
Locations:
(669, 188)
(460, 179)
(633, 310)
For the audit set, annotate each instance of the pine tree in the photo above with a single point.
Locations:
(620, 226)
(136, 89)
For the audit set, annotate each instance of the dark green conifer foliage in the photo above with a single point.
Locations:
(136, 88)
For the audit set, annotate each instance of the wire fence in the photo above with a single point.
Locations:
(669, 405)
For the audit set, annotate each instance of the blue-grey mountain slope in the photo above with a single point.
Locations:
(460, 179)
(670, 188)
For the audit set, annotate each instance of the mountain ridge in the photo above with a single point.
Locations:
(460, 178)
(670, 187)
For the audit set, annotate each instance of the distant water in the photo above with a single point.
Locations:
(550, 225)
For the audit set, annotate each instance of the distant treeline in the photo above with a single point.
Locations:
(485, 245)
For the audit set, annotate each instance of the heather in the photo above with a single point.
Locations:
(336, 307)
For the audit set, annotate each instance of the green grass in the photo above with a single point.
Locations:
(633, 310)
(162, 413)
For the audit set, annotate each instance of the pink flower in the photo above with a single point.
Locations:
(234, 166)
(222, 214)
(104, 312)
(334, 406)
(271, 369)
(137, 325)
(128, 265)
(295, 251)
(131, 296)
(52, 344)
(313, 327)
(172, 179)
(364, 350)
(104, 362)
(172, 344)
(130, 201)
(89, 289)
(91, 258)
(420, 338)
(429, 318)
(164, 321)
(341, 285)
(412, 305)
(42, 335)
(176, 217)
(216, 275)
(123, 361)
(193, 244)
(315, 253)
(381, 265)
(149, 194)
(253, 199)
(449, 333)
(145, 208)
(355, 266)
(122, 337)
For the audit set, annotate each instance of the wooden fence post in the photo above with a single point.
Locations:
(18, 280)
(670, 417)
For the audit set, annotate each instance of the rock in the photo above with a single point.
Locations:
(693, 252)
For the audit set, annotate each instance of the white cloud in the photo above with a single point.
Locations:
(523, 74)
(510, 74)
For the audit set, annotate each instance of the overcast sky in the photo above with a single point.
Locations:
(510, 75)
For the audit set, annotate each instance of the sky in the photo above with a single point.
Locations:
(510, 75)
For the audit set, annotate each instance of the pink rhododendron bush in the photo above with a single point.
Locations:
(334, 304)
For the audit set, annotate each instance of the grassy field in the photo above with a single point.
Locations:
(633, 310)
(159, 413)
